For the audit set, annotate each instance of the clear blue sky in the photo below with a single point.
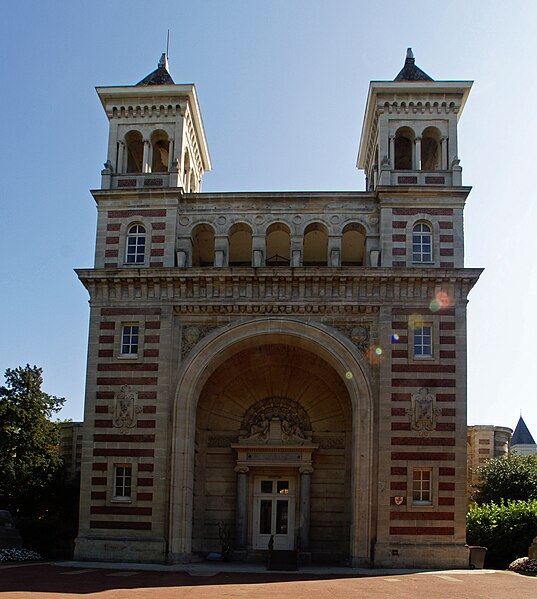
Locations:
(282, 86)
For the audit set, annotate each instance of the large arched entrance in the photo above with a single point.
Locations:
(272, 437)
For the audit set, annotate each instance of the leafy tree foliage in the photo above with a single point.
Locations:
(506, 529)
(29, 456)
(513, 477)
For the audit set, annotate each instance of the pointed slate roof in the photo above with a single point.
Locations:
(410, 72)
(160, 75)
(522, 435)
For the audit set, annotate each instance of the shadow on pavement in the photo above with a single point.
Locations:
(47, 578)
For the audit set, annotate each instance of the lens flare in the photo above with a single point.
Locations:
(395, 338)
(348, 375)
(378, 351)
(441, 301)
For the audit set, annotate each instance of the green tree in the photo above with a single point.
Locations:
(513, 477)
(29, 454)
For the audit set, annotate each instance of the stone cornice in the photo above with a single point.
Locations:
(283, 289)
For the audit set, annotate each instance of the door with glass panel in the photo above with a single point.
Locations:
(274, 512)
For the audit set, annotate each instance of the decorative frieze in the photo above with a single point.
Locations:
(276, 290)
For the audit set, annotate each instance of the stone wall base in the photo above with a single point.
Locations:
(415, 555)
(120, 549)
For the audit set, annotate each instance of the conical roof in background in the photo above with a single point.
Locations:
(410, 72)
(522, 435)
(160, 75)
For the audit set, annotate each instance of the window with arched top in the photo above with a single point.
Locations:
(315, 245)
(430, 149)
(160, 145)
(352, 245)
(422, 243)
(134, 146)
(135, 248)
(278, 246)
(404, 147)
(240, 245)
(203, 246)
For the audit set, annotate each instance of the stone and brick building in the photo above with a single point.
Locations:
(287, 364)
(485, 442)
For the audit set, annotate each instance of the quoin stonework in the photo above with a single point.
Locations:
(288, 365)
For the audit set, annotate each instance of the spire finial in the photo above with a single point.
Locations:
(409, 55)
(163, 62)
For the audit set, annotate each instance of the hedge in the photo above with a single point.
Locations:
(506, 530)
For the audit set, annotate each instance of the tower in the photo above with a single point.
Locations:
(278, 364)
(156, 136)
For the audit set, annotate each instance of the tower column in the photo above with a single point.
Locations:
(145, 159)
(443, 153)
(120, 156)
(241, 514)
(417, 154)
(392, 152)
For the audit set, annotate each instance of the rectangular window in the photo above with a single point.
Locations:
(122, 482)
(129, 339)
(421, 487)
(423, 341)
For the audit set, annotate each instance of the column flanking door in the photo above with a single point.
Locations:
(274, 512)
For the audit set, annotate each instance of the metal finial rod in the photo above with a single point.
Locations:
(168, 43)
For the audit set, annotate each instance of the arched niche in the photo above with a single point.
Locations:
(240, 245)
(211, 356)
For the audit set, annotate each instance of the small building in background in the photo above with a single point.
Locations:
(71, 447)
(522, 442)
(484, 443)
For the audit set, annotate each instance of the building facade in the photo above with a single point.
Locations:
(485, 442)
(287, 365)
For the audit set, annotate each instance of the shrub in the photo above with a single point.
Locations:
(506, 529)
(512, 477)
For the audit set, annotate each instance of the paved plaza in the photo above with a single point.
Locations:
(121, 581)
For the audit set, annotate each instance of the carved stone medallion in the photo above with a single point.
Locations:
(125, 408)
(191, 336)
(423, 412)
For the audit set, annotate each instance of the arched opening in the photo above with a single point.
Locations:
(274, 395)
(278, 245)
(161, 152)
(422, 243)
(240, 245)
(352, 245)
(135, 151)
(135, 246)
(260, 358)
(430, 149)
(315, 245)
(404, 148)
(202, 246)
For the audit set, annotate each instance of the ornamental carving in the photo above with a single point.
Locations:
(423, 412)
(276, 421)
(126, 408)
(191, 336)
(359, 335)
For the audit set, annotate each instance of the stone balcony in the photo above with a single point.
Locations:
(138, 180)
(440, 178)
